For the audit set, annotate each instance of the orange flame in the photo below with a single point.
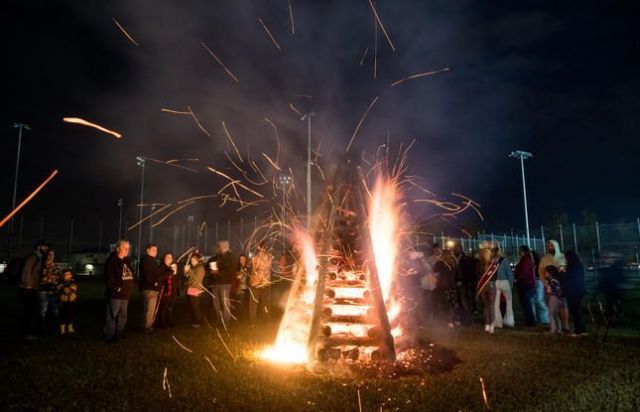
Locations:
(293, 334)
(384, 225)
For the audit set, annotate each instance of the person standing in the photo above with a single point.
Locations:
(67, 290)
(260, 284)
(445, 269)
(48, 296)
(119, 285)
(29, 289)
(169, 291)
(553, 290)
(526, 282)
(554, 257)
(574, 291)
(504, 282)
(240, 288)
(540, 309)
(194, 273)
(226, 265)
(488, 293)
(466, 282)
(151, 281)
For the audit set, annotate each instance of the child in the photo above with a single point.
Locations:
(68, 294)
(556, 301)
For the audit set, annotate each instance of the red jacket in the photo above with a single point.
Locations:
(526, 271)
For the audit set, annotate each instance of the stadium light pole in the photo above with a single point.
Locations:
(522, 155)
(140, 160)
(120, 203)
(20, 127)
(308, 117)
(283, 183)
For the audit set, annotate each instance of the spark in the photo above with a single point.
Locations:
(205, 131)
(180, 344)
(266, 29)
(172, 212)
(224, 126)
(275, 166)
(150, 216)
(165, 382)
(295, 109)
(375, 49)
(171, 164)
(28, 198)
(375, 13)
(125, 32)
(211, 364)
(364, 55)
(190, 250)
(360, 122)
(83, 122)
(182, 160)
(293, 23)
(225, 345)
(359, 401)
(484, 394)
(275, 129)
(418, 75)
(174, 111)
(306, 96)
(220, 62)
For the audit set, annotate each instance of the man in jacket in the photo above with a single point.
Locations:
(119, 284)
(466, 283)
(225, 266)
(151, 281)
(29, 287)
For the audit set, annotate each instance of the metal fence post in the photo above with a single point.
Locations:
(575, 239)
(598, 237)
(561, 237)
(542, 235)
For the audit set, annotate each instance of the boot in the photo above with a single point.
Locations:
(70, 328)
(63, 330)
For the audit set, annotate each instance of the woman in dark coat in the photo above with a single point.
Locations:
(574, 291)
(526, 283)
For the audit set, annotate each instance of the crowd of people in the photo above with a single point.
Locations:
(451, 286)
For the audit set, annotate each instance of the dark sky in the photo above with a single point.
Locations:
(561, 80)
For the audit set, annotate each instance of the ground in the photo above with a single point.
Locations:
(523, 369)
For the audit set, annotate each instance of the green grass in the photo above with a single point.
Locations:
(523, 370)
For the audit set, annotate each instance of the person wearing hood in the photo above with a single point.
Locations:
(554, 257)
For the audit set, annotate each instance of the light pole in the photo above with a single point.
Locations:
(140, 160)
(20, 127)
(120, 203)
(519, 154)
(283, 182)
(308, 117)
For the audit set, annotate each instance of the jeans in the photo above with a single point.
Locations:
(466, 292)
(259, 300)
(555, 305)
(149, 301)
(574, 303)
(503, 287)
(48, 302)
(29, 319)
(488, 298)
(527, 293)
(67, 313)
(165, 313)
(116, 317)
(196, 315)
(541, 311)
(221, 301)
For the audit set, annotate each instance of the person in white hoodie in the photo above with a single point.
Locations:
(554, 257)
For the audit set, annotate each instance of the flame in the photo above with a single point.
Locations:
(291, 342)
(384, 233)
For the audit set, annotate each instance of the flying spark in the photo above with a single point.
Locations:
(125, 32)
(375, 13)
(266, 29)
(83, 122)
(418, 75)
(31, 196)
(293, 23)
(360, 122)
(220, 62)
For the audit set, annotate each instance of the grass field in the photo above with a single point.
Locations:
(523, 370)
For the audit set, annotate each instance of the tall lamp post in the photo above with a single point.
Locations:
(140, 160)
(522, 155)
(283, 183)
(20, 127)
(308, 117)
(120, 204)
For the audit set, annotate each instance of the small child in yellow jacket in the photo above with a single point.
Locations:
(68, 294)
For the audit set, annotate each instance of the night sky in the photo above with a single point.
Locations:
(561, 81)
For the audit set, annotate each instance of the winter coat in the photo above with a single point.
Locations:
(466, 270)
(195, 276)
(526, 272)
(67, 291)
(504, 271)
(572, 281)
(227, 266)
(30, 273)
(260, 270)
(558, 260)
(118, 277)
(151, 275)
(170, 283)
(50, 278)
(446, 275)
